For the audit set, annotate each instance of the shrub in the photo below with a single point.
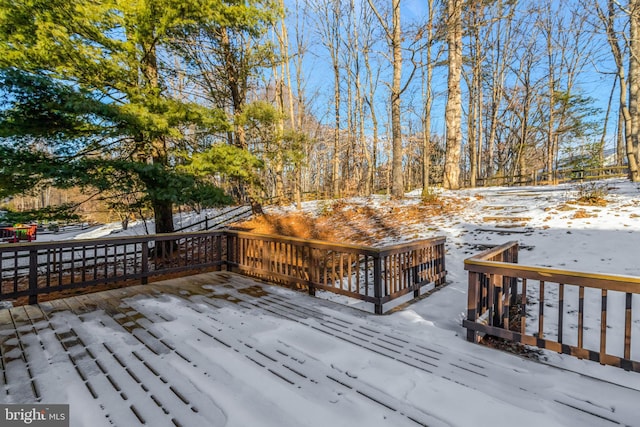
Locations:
(592, 193)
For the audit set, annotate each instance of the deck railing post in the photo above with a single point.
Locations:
(473, 299)
(230, 258)
(33, 276)
(441, 262)
(377, 283)
(314, 272)
(416, 277)
(145, 262)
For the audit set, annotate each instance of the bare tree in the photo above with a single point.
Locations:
(500, 51)
(328, 26)
(393, 34)
(613, 37)
(633, 148)
(430, 59)
(453, 111)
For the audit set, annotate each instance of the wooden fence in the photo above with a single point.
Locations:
(218, 221)
(555, 177)
(374, 275)
(582, 314)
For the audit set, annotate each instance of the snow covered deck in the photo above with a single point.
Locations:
(220, 349)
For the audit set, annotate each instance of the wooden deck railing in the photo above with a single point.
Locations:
(34, 269)
(582, 314)
(374, 275)
(369, 274)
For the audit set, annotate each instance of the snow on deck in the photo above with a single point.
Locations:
(220, 349)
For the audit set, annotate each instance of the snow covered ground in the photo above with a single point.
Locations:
(554, 231)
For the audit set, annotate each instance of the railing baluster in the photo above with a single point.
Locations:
(541, 311)
(387, 275)
(341, 270)
(61, 267)
(491, 302)
(106, 262)
(84, 263)
(48, 268)
(145, 262)
(15, 271)
(627, 326)
(523, 308)
(95, 259)
(366, 275)
(506, 298)
(349, 279)
(358, 281)
(499, 300)
(560, 312)
(33, 276)
(580, 316)
(391, 274)
(484, 296)
(603, 327)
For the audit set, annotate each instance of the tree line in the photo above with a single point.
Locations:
(155, 104)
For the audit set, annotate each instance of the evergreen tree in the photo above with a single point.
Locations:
(88, 94)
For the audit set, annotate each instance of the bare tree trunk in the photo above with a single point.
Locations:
(374, 121)
(633, 146)
(278, 160)
(551, 89)
(471, 133)
(394, 37)
(348, 164)
(620, 149)
(300, 103)
(364, 182)
(283, 40)
(625, 114)
(397, 188)
(454, 101)
(474, 121)
(479, 114)
(428, 104)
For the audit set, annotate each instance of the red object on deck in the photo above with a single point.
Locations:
(18, 233)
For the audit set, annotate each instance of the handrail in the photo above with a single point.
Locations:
(107, 240)
(612, 282)
(324, 244)
(318, 243)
